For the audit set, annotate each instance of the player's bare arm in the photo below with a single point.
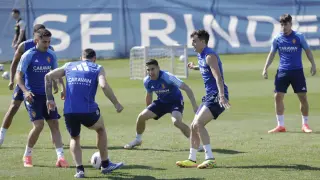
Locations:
(191, 65)
(14, 40)
(108, 92)
(14, 64)
(190, 95)
(309, 54)
(27, 94)
(148, 98)
(50, 78)
(268, 63)
(212, 61)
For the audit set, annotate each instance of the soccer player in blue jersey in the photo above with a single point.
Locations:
(170, 100)
(289, 44)
(32, 68)
(17, 96)
(80, 107)
(213, 103)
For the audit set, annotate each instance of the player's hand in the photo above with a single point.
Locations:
(11, 84)
(265, 74)
(313, 70)
(28, 96)
(63, 95)
(51, 105)
(118, 107)
(191, 65)
(223, 101)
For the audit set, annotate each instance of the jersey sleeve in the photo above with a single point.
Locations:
(145, 83)
(274, 44)
(303, 42)
(172, 79)
(25, 61)
(54, 60)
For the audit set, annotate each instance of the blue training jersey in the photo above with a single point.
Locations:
(290, 50)
(81, 86)
(166, 87)
(207, 76)
(35, 64)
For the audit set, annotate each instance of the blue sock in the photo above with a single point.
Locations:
(105, 163)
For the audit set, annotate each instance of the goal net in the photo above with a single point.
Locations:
(173, 59)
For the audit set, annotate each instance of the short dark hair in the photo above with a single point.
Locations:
(16, 11)
(285, 18)
(43, 33)
(88, 53)
(152, 62)
(37, 27)
(202, 35)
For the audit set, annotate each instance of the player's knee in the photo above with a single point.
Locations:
(278, 97)
(303, 98)
(176, 122)
(15, 105)
(142, 117)
(196, 125)
(38, 125)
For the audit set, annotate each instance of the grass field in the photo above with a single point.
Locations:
(239, 138)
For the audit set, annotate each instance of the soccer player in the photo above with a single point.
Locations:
(170, 100)
(80, 107)
(17, 96)
(289, 44)
(20, 29)
(213, 103)
(32, 68)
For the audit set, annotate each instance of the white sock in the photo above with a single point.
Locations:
(208, 151)
(193, 154)
(280, 120)
(60, 152)
(138, 137)
(2, 132)
(28, 151)
(305, 119)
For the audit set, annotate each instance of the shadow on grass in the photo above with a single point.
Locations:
(299, 167)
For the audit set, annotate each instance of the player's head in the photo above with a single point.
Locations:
(286, 23)
(37, 27)
(43, 39)
(153, 68)
(15, 14)
(89, 54)
(200, 39)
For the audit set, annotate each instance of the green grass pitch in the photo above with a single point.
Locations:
(239, 138)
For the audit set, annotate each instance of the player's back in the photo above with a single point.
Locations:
(290, 50)
(207, 76)
(81, 87)
(166, 87)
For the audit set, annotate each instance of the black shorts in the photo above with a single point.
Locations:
(212, 103)
(74, 120)
(295, 78)
(161, 108)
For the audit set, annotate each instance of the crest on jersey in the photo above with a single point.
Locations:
(163, 86)
(293, 41)
(48, 59)
(33, 114)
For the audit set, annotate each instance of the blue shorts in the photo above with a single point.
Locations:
(296, 78)
(38, 110)
(161, 108)
(74, 120)
(212, 103)
(17, 94)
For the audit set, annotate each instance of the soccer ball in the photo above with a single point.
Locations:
(96, 160)
(5, 75)
(182, 58)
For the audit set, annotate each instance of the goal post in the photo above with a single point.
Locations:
(173, 59)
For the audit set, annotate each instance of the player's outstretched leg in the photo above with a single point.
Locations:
(7, 120)
(106, 165)
(198, 127)
(32, 140)
(140, 127)
(57, 140)
(279, 106)
(304, 108)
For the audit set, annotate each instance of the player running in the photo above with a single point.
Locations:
(170, 100)
(17, 96)
(290, 43)
(80, 107)
(32, 68)
(213, 103)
